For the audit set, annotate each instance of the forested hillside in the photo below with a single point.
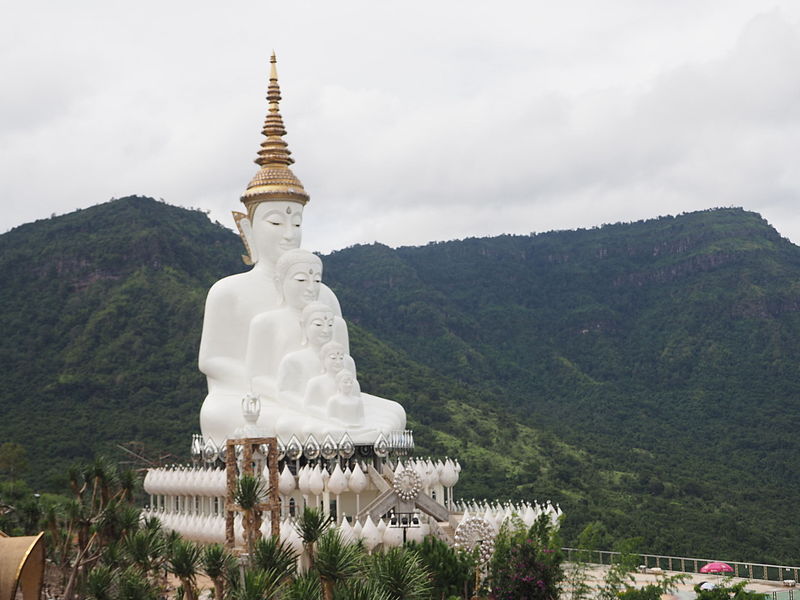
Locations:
(645, 375)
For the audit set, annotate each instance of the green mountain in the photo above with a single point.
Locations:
(645, 375)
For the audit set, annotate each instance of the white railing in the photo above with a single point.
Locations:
(684, 564)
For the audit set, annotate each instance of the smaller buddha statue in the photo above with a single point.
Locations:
(318, 323)
(320, 388)
(346, 405)
(274, 334)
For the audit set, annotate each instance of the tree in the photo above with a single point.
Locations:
(216, 561)
(305, 586)
(145, 548)
(451, 569)
(527, 561)
(273, 553)
(620, 575)
(100, 583)
(13, 460)
(575, 577)
(257, 584)
(310, 526)
(337, 561)
(249, 493)
(734, 591)
(183, 560)
(400, 573)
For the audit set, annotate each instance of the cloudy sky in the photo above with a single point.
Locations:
(410, 121)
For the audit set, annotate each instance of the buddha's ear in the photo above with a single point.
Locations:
(245, 228)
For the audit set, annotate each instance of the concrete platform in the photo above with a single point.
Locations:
(685, 590)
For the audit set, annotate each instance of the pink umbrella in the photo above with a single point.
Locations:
(716, 567)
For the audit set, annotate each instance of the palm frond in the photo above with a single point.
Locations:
(400, 573)
(273, 553)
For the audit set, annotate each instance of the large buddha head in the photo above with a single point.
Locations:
(273, 228)
(274, 197)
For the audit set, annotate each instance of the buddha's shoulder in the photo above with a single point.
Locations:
(327, 296)
(233, 285)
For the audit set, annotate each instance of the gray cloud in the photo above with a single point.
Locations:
(474, 120)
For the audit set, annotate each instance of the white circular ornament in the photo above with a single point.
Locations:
(476, 532)
(407, 484)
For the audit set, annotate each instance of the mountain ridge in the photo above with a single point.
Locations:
(589, 367)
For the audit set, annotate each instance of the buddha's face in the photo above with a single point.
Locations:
(347, 384)
(333, 361)
(319, 328)
(301, 284)
(276, 228)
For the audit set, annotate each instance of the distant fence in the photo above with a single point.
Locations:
(684, 564)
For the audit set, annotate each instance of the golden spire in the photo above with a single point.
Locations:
(274, 180)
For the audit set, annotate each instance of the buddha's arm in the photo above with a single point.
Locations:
(222, 370)
(259, 356)
(315, 397)
(218, 358)
(290, 374)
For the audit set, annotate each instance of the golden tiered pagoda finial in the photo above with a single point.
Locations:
(274, 180)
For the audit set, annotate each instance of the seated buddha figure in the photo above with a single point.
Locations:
(323, 414)
(311, 415)
(318, 324)
(274, 201)
(277, 333)
(346, 406)
(319, 389)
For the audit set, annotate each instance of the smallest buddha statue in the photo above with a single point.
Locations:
(346, 405)
(319, 389)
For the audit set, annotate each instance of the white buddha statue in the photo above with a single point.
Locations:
(296, 368)
(231, 305)
(276, 333)
(274, 200)
(319, 389)
(346, 406)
